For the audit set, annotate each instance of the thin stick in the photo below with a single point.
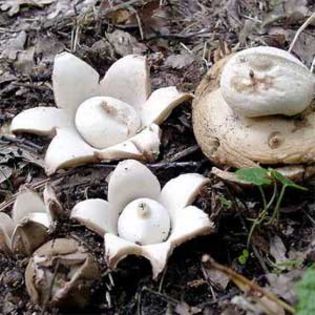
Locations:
(313, 65)
(25, 143)
(153, 165)
(165, 297)
(124, 5)
(181, 154)
(300, 30)
(239, 279)
(50, 288)
(37, 185)
(162, 165)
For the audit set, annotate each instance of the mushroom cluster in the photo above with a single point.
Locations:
(32, 217)
(256, 107)
(111, 119)
(140, 218)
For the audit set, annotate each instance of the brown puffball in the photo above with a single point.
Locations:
(229, 139)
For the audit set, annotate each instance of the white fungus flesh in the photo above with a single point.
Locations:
(265, 81)
(106, 121)
(144, 221)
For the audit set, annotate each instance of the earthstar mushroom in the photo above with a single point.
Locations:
(110, 119)
(140, 218)
(32, 217)
(242, 113)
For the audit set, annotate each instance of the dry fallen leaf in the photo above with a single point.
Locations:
(278, 250)
(295, 9)
(66, 8)
(125, 44)
(47, 48)
(12, 151)
(254, 294)
(305, 47)
(284, 284)
(6, 77)
(292, 11)
(151, 17)
(13, 6)
(5, 173)
(262, 306)
(13, 46)
(25, 61)
(179, 61)
(183, 308)
(217, 278)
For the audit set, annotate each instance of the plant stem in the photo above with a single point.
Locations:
(256, 222)
(274, 194)
(275, 214)
(263, 197)
(263, 213)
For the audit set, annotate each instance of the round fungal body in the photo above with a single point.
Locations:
(106, 121)
(254, 108)
(266, 81)
(144, 221)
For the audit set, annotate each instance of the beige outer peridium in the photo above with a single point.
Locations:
(231, 140)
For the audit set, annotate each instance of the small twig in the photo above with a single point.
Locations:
(300, 30)
(41, 87)
(124, 5)
(203, 33)
(40, 184)
(309, 217)
(260, 259)
(187, 49)
(162, 280)
(174, 164)
(139, 301)
(210, 283)
(245, 284)
(26, 143)
(108, 299)
(76, 38)
(154, 165)
(275, 214)
(220, 299)
(161, 295)
(50, 288)
(184, 153)
(312, 65)
(139, 22)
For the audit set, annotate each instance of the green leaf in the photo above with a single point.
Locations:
(242, 259)
(284, 180)
(254, 175)
(306, 293)
(225, 202)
